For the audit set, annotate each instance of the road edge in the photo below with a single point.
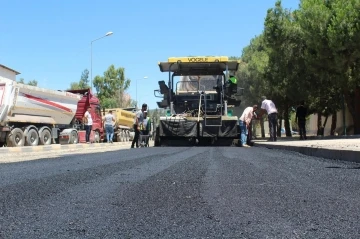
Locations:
(54, 147)
(344, 155)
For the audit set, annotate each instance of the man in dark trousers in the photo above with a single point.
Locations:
(268, 106)
(300, 118)
(139, 119)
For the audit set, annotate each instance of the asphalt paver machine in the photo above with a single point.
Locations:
(199, 105)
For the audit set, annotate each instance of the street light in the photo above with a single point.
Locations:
(145, 77)
(107, 34)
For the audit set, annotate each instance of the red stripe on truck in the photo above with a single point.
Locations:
(47, 102)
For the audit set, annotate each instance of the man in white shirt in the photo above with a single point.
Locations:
(269, 107)
(108, 120)
(244, 123)
(88, 124)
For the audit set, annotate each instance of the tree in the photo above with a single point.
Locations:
(83, 82)
(286, 61)
(344, 34)
(314, 18)
(111, 86)
(32, 82)
(251, 73)
(310, 54)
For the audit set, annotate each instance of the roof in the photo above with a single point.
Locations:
(7, 68)
(198, 65)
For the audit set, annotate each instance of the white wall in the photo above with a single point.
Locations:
(311, 125)
(5, 73)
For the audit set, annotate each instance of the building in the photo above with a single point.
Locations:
(8, 73)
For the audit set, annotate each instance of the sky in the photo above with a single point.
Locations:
(49, 41)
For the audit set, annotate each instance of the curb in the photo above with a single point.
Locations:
(344, 155)
(42, 148)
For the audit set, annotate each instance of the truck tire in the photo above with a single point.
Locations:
(73, 137)
(126, 133)
(44, 136)
(122, 136)
(16, 138)
(32, 138)
(97, 136)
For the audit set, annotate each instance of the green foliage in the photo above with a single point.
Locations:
(111, 87)
(155, 115)
(310, 54)
(32, 82)
(252, 69)
(83, 82)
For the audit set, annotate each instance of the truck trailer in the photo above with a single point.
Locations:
(30, 115)
(200, 104)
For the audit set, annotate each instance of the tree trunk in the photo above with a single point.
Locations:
(323, 127)
(333, 124)
(279, 124)
(356, 117)
(287, 122)
(319, 131)
(353, 104)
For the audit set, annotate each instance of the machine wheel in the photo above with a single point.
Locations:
(97, 136)
(73, 137)
(44, 137)
(16, 138)
(32, 138)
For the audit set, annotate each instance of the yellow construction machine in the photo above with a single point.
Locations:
(200, 104)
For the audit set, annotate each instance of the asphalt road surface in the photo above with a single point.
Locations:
(180, 193)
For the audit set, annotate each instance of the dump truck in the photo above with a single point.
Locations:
(30, 115)
(123, 125)
(200, 104)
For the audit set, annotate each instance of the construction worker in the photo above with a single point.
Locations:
(138, 121)
(268, 106)
(232, 85)
(244, 123)
(233, 79)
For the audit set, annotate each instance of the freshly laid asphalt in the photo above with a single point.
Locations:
(205, 192)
